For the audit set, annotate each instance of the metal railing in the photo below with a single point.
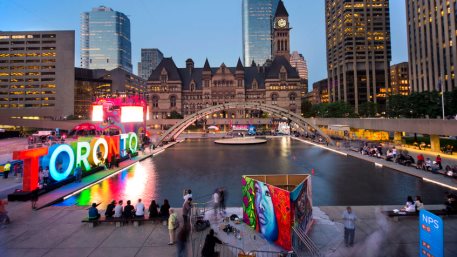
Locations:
(303, 245)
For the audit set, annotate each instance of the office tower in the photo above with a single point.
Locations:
(105, 40)
(150, 58)
(37, 74)
(257, 22)
(432, 44)
(358, 50)
(320, 92)
(399, 79)
(298, 62)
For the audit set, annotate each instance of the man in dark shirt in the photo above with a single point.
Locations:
(129, 210)
(110, 209)
(186, 209)
(210, 242)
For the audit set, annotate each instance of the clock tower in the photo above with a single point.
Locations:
(281, 29)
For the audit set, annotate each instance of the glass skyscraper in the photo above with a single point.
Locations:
(105, 40)
(150, 59)
(257, 30)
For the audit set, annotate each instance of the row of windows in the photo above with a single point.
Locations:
(26, 105)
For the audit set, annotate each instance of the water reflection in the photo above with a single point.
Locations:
(203, 166)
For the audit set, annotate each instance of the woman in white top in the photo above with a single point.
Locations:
(409, 206)
(418, 203)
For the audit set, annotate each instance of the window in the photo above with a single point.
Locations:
(274, 98)
(292, 97)
(172, 101)
(155, 101)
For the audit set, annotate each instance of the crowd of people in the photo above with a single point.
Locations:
(404, 158)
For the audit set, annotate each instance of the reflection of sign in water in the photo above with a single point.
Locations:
(431, 234)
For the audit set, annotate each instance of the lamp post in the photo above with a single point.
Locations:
(440, 86)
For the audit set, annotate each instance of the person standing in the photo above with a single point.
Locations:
(216, 202)
(349, 219)
(172, 225)
(182, 238)
(46, 176)
(186, 211)
(3, 213)
(139, 209)
(34, 198)
(187, 194)
(165, 211)
(78, 173)
(6, 170)
(210, 243)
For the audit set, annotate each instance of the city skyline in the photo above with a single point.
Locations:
(220, 32)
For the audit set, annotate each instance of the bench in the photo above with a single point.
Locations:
(119, 221)
(395, 215)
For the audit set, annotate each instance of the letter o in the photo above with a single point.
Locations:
(133, 138)
(68, 160)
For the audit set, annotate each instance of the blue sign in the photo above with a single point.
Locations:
(431, 235)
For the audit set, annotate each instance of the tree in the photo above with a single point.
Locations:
(306, 108)
(334, 110)
(175, 115)
(368, 109)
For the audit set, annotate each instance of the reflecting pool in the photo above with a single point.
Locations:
(203, 166)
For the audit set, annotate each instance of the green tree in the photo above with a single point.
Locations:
(368, 109)
(175, 115)
(334, 110)
(306, 108)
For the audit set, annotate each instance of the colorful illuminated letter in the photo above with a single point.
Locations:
(123, 144)
(133, 142)
(113, 146)
(31, 159)
(61, 162)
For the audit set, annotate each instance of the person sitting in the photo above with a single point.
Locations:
(418, 203)
(448, 171)
(118, 210)
(389, 156)
(153, 210)
(93, 212)
(409, 206)
(139, 209)
(428, 164)
(129, 211)
(420, 162)
(435, 168)
(110, 209)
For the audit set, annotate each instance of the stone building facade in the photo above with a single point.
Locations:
(188, 90)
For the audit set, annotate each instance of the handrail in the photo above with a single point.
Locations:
(307, 242)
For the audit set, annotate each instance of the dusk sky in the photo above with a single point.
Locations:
(194, 28)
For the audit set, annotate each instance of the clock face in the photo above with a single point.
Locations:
(282, 23)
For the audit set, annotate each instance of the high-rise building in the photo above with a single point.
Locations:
(358, 50)
(320, 92)
(298, 62)
(37, 74)
(105, 40)
(257, 21)
(432, 44)
(150, 58)
(399, 79)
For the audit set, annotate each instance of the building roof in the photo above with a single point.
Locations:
(251, 74)
(281, 10)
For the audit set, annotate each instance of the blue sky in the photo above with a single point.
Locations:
(194, 28)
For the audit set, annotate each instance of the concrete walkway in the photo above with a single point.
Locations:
(441, 180)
